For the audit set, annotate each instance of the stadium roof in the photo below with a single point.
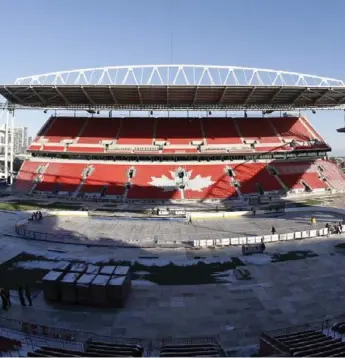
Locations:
(175, 87)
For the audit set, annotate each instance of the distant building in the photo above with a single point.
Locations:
(21, 140)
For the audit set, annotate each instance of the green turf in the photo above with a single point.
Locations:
(17, 206)
(293, 255)
(24, 205)
(62, 206)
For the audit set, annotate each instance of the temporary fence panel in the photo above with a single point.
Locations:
(290, 236)
(282, 237)
(235, 241)
(275, 237)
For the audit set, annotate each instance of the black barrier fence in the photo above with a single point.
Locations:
(278, 208)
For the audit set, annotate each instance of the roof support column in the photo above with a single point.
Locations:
(6, 144)
(11, 115)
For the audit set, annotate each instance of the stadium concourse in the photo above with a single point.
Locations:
(183, 163)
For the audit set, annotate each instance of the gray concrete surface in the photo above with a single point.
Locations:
(280, 295)
(124, 230)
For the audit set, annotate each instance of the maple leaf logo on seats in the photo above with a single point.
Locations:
(198, 183)
(164, 182)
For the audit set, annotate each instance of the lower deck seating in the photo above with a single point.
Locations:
(93, 349)
(254, 178)
(103, 349)
(159, 181)
(307, 343)
(300, 175)
(334, 176)
(8, 344)
(26, 175)
(154, 182)
(192, 350)
(106, 179)
(208, 182)
(62, 177)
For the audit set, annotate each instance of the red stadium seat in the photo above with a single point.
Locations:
(292, 128)
(178, 131)
(294, 174)
(154, 182)
(136, 131)
(257, 129)
(221, 131)
(98, 129)
(63, 128)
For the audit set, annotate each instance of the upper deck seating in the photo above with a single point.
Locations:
(154, 182)
(311, 129)
(291, 128)
(64, 128)
(136, 131)
(98, 129)
(208, 182)
(178, 131)
(221, 131)
(257, 129)
(253, 176)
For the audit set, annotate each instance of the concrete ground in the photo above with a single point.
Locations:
(135, 230)
(279, 295)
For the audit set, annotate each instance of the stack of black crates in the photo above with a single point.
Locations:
(89, 285)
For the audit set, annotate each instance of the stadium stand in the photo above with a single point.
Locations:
(301, 176)
(192, 350)
(93, 349)
(95, 134)
(221, 131)
(178, 131)
(95, 131)
(62, 128)
(8, 344)
(159, 181)
(257, 129)
(304, 343)
(292, 128)
(136, 131)
(156, 138)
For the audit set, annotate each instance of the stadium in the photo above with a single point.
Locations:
(179, 173)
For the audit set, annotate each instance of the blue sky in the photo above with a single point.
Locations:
(297, 35)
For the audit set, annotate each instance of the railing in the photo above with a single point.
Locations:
(36, 335)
